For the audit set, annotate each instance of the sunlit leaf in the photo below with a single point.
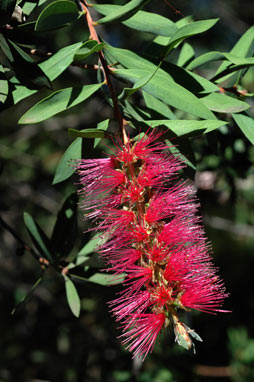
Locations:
(65, 168)
(246, 124)
(58, 101)
(57, 15)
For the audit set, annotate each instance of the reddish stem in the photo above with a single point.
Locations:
(106, 72)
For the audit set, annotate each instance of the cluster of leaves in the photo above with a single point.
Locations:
(163, 86)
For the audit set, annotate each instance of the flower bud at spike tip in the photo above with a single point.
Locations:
(150, 233)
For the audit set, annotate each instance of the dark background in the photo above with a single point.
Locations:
(43, 341)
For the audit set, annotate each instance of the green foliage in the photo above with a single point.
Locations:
(164, 75)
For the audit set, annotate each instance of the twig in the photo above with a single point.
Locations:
(20, 241)
(106, 72)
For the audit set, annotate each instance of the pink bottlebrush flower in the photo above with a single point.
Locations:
(151, 234)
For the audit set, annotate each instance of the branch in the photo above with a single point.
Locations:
(106, 72)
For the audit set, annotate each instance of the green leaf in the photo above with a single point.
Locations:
(56, 64)
(39, 238)
(88, 48)
(27, 296)
(189, 30)
(246, 124)
(243, 48)
(91, 246)
(166, 90)
(223, 103)
(20, 92)
(64, 232)
(5, 48)
(205, 58)
(186, 127)
(124, 12)
(186, 55)
(58, 101)
(27, 71)
(103, 125)
(56, 15)
(72, 296)
(6, 10)
(140, 83)
(87, 133)
(65, 168)
(142, 21)
(158, 106)
(4, 87)
(106, 279)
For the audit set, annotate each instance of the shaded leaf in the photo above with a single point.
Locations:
(4, 87)
(72, 296)
(64, 232)
(246, 124)
(27, 71)
(124, 12)
(58, 101)
(65, 168)
(27, 296)
(6, 10)
(39, 238)
(56, 15)
(142, 21)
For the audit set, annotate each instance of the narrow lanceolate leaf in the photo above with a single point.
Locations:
(106, 279)
(142, 21)
(72, 296)
(168, 91)
(224, 104)
(88, 48)
(27, 296)
(27, 71)
(141, 82)
(189, 30)
(103, 125)
(39, 238)
(243, 48)
(205, 58)
(4, 87)
(65, 168)
(186, 55)
(158, 106)
(58, 101)
(246, 124)
(60, 61)
(124, 12)
(64, 232)
(57, 15)
(186, 127)
(87, 133)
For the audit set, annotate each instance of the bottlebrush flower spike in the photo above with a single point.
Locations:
(151, 233)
